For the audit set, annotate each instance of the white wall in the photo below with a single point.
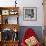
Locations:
(27, 3)
(38, 5)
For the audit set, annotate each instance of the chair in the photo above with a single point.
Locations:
(28, 34)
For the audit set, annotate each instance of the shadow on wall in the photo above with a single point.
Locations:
(37, 29)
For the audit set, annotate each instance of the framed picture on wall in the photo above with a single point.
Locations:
(30, 13)
(5, 12)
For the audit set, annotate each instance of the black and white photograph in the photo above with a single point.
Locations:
(29, 13)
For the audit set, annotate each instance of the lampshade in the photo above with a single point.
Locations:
(15, 30)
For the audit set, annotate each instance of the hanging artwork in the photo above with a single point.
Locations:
(30, 13)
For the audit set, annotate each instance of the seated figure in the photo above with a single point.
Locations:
(30, 38)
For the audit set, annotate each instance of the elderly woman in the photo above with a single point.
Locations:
(30, 38)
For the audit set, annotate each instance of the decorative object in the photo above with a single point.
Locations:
(15, 30)
(13, 12)
(30, 13)
(31, 41)
(7, 34)
(5, 12)
(6, 21)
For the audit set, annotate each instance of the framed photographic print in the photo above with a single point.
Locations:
(5, 12)
(30, 13)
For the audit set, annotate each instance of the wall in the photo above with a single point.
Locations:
(38, 5)
(27, 3)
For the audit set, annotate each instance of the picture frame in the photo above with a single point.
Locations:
(5, 12)
(30, 13)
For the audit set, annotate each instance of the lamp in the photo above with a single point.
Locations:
(15, 30)
(15, 37)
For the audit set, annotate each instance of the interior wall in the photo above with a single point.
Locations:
(38, 5)
(26, 3)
